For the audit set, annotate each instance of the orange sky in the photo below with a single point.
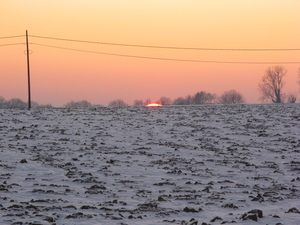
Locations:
(59, 76)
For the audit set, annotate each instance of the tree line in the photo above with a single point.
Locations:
(270, 90)
(202, 97)
(18, 103)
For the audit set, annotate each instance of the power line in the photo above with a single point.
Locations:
(160, 58)
(170, 47)
(12, 44)
(12, 36)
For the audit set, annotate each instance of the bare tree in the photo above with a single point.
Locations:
(165, 101)
(291, 98)
(15, 103)
(272, 84)
(198, 98)
(45, 106)
(37, 105)
(118, 102)
(34, 104)
(138, 102)
(148, 101)
(18, 103)
(203, 98)
(180, 101)
(79, 104)
(2, 101)
(189, 100)
(231, 97)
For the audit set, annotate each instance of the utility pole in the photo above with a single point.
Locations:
(28, 72)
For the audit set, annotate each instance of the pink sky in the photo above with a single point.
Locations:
(59, 76)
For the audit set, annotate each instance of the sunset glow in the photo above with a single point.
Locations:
(103, 50)
(154, 105)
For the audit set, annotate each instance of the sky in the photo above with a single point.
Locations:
(60, 75)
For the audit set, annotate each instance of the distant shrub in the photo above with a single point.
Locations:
(78, 104)
(180, 101)
(231, 97)
(138, 102)
(201, 97)
(44, 106)
(165, 101)
(148, 101)
(118, 102)
(2, 101)
(14, 103)
(18, 103)
(291, 98)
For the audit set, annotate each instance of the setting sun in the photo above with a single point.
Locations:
(154, 105)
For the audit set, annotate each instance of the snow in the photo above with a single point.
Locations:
(139, 165)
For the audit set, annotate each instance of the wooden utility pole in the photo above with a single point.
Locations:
(28, 72)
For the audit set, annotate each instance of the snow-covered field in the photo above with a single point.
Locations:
(209, 164)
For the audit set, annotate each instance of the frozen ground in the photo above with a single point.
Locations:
(208, 164)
